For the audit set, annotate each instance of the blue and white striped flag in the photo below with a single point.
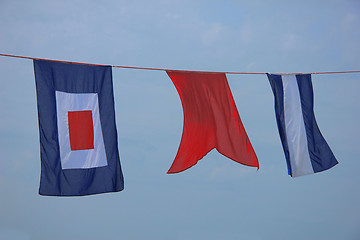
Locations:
(305, 149)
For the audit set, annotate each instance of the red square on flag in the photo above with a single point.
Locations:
(81, 130)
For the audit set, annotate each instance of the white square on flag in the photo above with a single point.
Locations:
(80, 136)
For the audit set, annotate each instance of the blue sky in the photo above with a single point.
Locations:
(217, 198)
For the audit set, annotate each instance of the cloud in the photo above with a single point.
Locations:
(290, 41)
(213, 34)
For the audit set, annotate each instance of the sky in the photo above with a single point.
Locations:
(217, 198)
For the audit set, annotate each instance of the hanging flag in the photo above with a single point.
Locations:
(78, 137)
(211, 120)
(306, 150)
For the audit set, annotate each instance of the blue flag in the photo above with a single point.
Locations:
(306, 150)
(78, 137)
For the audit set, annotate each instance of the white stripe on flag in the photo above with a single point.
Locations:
(295, 129)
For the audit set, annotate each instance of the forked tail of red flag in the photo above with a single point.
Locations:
(211, 120)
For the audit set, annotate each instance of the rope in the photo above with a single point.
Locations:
(165, 69)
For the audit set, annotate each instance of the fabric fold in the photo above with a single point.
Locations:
(211, 120)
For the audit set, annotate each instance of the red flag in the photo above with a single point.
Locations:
(211, 120)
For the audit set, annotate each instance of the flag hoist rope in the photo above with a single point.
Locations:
(164, 69)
